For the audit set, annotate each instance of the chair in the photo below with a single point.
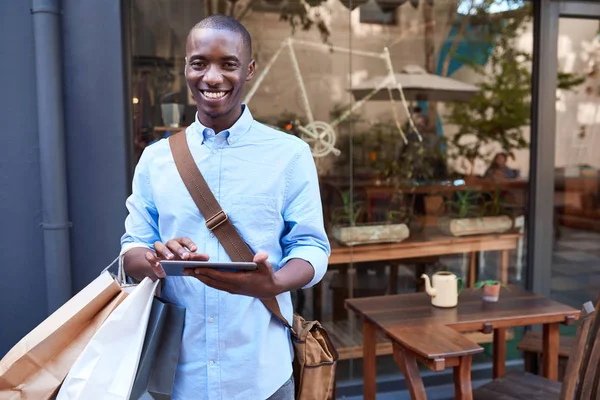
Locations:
(580, 380)
(531, 345)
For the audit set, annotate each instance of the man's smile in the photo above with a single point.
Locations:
(214, 95)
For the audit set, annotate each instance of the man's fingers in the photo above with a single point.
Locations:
(261, 257)
(187, 242)
(162, 251)
(261, 260)
(155, 263)
(178, 249)
(199, 257)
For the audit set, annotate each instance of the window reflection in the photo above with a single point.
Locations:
(417, 113)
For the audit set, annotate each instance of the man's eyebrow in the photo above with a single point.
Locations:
(230, 58)
(224, 58)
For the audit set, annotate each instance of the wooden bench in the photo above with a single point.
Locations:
(531, 345)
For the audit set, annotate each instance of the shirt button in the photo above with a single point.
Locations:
(211, 320)
(211, 362)
(212, 235)
(214, 152)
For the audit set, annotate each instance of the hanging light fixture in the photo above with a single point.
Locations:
(352, 4)
(314, 3)
(389, 5)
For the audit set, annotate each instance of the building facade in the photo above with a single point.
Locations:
(91, 84)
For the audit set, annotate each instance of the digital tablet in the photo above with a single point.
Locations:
(176, 267)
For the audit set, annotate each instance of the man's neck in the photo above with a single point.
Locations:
(223, 122)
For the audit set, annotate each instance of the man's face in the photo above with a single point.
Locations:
(217, 66)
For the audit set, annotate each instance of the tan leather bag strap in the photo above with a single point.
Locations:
(217, 220)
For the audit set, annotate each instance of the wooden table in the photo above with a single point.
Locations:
(419, 331)
(426, 244)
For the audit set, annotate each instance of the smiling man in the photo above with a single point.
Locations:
(266, 181)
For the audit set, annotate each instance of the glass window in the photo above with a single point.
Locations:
(576, 259)
(418, 116)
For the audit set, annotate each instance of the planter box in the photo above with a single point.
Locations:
(368, 234)
(475, 226)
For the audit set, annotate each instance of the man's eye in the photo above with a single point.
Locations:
(230, 65)
(198, 64)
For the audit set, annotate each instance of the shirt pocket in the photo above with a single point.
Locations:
(255, 218)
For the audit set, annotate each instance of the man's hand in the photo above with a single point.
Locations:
(261, 283)
(140, 263)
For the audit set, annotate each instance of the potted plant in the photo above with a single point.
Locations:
(347, 232)
(491, 289)
(469, 215)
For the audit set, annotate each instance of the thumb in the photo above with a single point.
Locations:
(261, 258)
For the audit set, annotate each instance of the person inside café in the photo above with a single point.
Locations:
(498, 170)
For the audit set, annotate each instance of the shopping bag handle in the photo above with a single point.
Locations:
(121, 276)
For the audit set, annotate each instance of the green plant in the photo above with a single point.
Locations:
(495, 206)
(349, 212)
(464, 204)
(489, 282)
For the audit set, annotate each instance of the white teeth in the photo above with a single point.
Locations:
(214, 95)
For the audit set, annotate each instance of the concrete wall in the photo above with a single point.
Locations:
(22, 287)
(97, 155)
(97, 135)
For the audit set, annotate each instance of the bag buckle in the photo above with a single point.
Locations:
(216, 220)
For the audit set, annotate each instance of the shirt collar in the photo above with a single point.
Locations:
(241, 126)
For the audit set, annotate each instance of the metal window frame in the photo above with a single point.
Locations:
(540, 236)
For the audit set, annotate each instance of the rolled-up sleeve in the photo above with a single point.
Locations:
(141, 225)
(304, 237)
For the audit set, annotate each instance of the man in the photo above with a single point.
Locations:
(266, 181)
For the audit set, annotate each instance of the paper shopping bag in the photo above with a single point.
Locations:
(36, 366)
(107, 366)
(158, 363)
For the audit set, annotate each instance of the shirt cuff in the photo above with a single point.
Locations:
(315, 257)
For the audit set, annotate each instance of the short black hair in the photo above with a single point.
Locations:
(226, 23)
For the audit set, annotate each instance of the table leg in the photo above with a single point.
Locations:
(407, 362)
(550, 351)
(472, 269)
(462, 379)
(369, 360)
(318, 301)
(394, 278)
(504, 264)
(499, 352)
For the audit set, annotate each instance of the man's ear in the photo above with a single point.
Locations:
(251, 70)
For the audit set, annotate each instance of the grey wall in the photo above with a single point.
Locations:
(96, 123)
(22, 283)
(97, 149)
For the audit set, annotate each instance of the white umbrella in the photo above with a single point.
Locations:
(417, 85)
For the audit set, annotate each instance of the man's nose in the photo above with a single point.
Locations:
(212, 76)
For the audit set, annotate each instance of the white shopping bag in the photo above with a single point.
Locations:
(107, 367)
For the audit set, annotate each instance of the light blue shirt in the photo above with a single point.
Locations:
(266, 181)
